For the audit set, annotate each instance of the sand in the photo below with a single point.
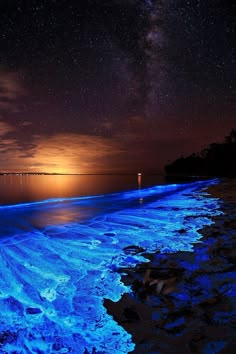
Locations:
(188, 304)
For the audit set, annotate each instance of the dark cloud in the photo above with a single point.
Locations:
(11, 89)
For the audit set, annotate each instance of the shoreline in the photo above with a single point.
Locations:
(190, 307)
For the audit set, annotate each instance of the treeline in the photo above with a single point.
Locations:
(219, 159)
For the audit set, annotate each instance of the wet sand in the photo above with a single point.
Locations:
(185, 302)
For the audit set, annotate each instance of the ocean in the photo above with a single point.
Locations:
(63, 242)
(30, 188)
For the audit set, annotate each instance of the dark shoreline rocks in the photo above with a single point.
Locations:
(185, 302)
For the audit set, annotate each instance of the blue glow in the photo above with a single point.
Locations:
(54, 278)
(213, 347)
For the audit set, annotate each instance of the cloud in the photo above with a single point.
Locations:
(11, 89)
(9, 150)
(25, 123)
(5, 128)
(74, 153)
(63, 153)
(133, 147)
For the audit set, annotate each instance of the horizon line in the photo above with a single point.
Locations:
(79, 174)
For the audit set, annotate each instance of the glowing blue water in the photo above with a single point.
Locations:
(56, 274)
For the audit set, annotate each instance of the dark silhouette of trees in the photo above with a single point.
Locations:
(216, 160)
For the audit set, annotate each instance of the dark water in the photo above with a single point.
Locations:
(30, 188)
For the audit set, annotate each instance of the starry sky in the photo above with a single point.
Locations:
(91, 86)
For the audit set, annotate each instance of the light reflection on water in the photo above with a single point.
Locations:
(17, 188)
(33, 188)
(61, 259)
(25, 217)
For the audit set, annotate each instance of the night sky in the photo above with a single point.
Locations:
(100, 86)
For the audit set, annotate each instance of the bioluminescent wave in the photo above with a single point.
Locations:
(56, 274)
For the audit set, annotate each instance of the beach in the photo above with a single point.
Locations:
(185, 302)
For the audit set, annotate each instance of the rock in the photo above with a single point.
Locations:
(33, 310)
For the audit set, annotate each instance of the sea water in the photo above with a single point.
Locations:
(61, 257)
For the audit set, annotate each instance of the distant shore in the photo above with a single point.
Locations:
(77, 174)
